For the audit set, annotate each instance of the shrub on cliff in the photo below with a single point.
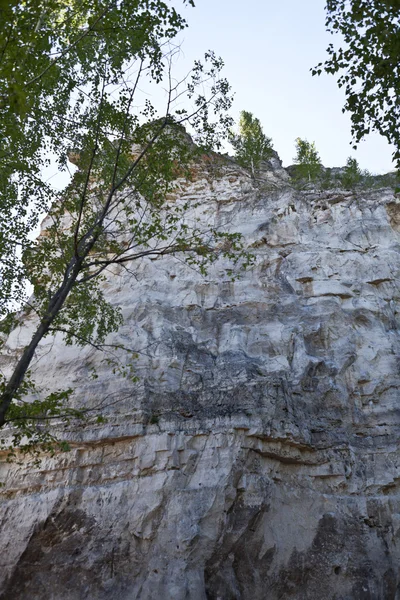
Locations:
(251, 144)
(353, 176)
(307, 160)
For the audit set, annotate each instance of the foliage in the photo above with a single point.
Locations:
(71, 80)
(352, 174)
(388, 180)
(251, 145)
(53, 58)
(368, 65)
(308, 162)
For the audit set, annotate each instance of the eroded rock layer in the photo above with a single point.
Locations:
(257, 458)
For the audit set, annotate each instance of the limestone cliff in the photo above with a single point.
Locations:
(257, 458)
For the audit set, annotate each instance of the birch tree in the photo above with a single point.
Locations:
(71, 75)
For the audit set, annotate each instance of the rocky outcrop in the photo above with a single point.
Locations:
(257, 457)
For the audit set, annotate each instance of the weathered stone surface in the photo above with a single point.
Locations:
(258, 456)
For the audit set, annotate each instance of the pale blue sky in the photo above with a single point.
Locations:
(268, 48)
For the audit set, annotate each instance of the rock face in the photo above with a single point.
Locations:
(257, 458)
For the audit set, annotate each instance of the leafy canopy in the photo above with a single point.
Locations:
(54, 57)
(251, 145)
(308, 162)
(352, 174)
(368, 65)
(71, 79)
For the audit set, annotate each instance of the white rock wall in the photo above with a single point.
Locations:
(258, 455)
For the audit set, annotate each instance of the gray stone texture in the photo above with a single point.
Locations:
(257, 457)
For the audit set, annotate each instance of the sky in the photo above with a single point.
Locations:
(268, 48)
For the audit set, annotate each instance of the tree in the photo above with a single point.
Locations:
(251, 145)
(352, 174)
(72, 89)
(308, 162)
(368, 65)
(53, 58)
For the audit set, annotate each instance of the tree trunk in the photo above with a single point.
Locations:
(55, 305)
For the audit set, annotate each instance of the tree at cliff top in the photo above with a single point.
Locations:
(71, 72)
(352, 174)
(368, 65)
(308, 162)
(251, 144)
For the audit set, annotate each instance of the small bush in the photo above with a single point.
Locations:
(308, 162)
(251, 145)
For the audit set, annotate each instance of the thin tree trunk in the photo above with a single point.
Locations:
(55, 305)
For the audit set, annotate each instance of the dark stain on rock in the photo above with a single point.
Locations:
(341, 540)
(55, 558)
(337, 566)
(240, 563)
